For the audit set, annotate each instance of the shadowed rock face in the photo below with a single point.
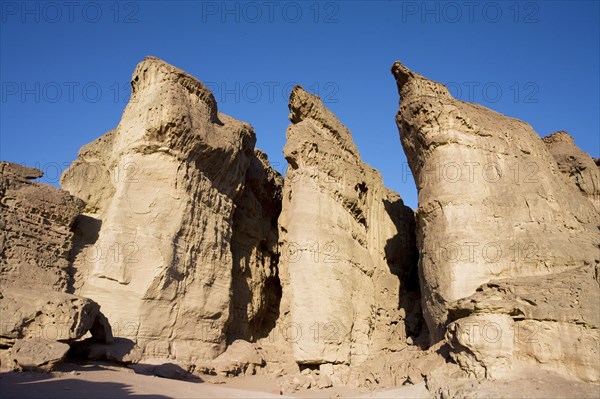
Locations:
(578, 166)
(256, 287)
(346, 246)
(496, 209)
(155, 245)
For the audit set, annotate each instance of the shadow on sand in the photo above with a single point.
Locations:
(44, 385)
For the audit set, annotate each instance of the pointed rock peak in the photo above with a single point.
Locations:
(304, 105)
(401, 73)
(403, 76)
(156, 65)
(560, 136)
(25, 172)
(153, 71)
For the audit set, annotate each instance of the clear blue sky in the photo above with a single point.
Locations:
(65, 66)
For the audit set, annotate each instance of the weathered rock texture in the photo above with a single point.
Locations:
(35, 230)
(241, 357)
(495, 209)
(575, 164)
(492, 201)
(38, 354)
(51, 315)
(553, 324)
(155, 246)
(347, 247)
(37, 316)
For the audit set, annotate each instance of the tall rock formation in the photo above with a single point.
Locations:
(495, 209)
(347, 247)
(155, 246)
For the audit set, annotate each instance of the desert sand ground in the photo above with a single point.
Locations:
(100, 380)
(103, 381)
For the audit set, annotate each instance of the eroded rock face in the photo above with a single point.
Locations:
(58, 316)
(38, 317)
(492, 201)
(38, 354)
(549, 322)
(155, 246)
(35, 230)
(37, 326)
(576, 165)
(346, 247)
(483, 345)
(241, 357)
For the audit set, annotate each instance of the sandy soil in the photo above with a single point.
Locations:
(266, 384)
(100, 381)
(103, 380)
